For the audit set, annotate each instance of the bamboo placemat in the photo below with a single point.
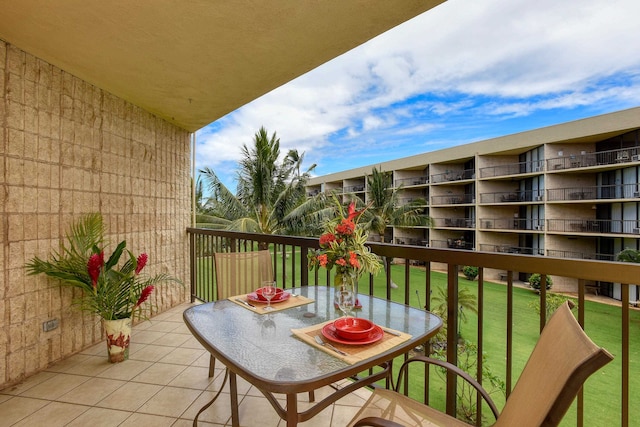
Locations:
(355, 353)
(279, 306)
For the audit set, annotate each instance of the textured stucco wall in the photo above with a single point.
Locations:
(68, 148)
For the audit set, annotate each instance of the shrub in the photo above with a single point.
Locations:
(534, 281)
(470, 272)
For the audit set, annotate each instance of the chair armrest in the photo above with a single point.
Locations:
(376, 422)
(444, 364)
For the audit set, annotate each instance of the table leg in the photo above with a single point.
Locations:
(233, 390)
(292, 410)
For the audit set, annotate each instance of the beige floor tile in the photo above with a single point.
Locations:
(343, 414)
(192, 342)
(91, 392)
(151, 352)
(66, 364)
(171, 339)
(189, 423)
(126, 370)
(92, 366)
(55, 414)
(170, 402)
(18, 408)
(159, 373)
(182, 329)
(28, 383)
(219, 413)
(254, 411)
(55, 386)
(162, 326)
(130, 396)
(146, 420)
(100, 417)
(183, 356)
(96, 349)
(146, 337)
(204, 361)
(195, 377)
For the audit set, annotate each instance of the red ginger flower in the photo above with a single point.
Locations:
(346, 227)
(327, 238)
(353, 260)
(352, 212)
(142, 261)
(144, 295)
(94, 265)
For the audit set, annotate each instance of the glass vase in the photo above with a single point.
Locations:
(343, 281)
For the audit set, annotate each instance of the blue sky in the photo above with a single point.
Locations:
(465, 71)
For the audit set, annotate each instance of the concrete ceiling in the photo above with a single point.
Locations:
(193, 61)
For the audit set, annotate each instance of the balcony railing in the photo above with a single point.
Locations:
(619, 191)
(580, 255)
(353, 188)
(453, 199)
(454, 222)
(416, 180)
(453, 175)
(290, 269)
(601, 158)
(510, 249)
(512, 169)
(512, 224)
(601, 226)
(512, 196)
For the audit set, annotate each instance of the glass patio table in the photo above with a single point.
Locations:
(262, 349)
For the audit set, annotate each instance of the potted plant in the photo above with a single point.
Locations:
(112, 290)
(470, 272)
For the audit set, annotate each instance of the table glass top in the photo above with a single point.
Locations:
(264, 345)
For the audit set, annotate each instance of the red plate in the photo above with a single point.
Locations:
(279, 297)
(330, 333)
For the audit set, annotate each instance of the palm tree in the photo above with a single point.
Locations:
(268, 191)
(386, 211)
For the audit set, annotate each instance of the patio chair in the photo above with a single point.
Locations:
(563, 358)
(240, 273)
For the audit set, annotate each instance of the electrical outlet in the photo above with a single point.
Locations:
(50, 325)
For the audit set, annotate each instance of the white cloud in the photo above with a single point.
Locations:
(464, 60)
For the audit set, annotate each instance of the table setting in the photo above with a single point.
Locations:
(269, 299)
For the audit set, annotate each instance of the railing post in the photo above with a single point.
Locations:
(452, 336)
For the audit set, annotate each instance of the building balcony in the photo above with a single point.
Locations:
(534, 225)
(597, 226)
(510, 249)
(407, 182)
(599, 159)
(512, 169)
(454, 222)
(353, 188)
(590, 193)
(515, 196)
(453, 175)
(453, 199)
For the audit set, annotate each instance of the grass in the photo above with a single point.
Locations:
(602, 324)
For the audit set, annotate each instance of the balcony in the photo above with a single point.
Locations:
(501, 197)
(512, 169)
(603, 192)
(601, 158)
(453, 199)
(416, 180)
(453, 175)
(290, 263)
(599, 226)
(512, 224)
(510, 249)
(454, 222)
(353, 189)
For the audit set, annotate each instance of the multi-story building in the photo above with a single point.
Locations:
(569, 191)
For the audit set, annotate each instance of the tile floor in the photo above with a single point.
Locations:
(164, 383)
